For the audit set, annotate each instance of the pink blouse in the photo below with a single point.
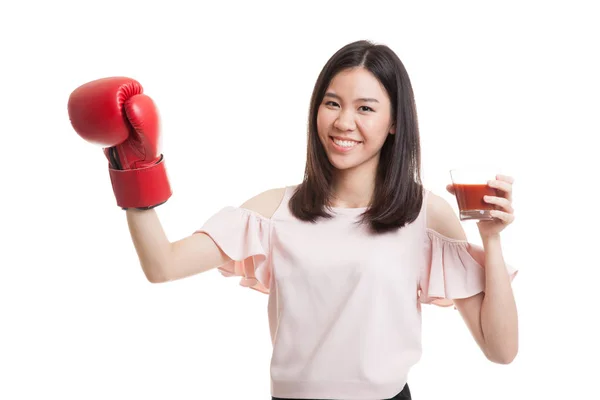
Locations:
(344, 304)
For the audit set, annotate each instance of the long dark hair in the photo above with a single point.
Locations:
(398, 195)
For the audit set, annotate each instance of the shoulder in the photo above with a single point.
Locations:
(265, 203)
(442, 218)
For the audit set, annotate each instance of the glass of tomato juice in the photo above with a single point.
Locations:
(470, 185)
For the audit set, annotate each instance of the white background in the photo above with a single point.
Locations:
(511, 84)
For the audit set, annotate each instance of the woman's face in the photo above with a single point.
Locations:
(354, 119)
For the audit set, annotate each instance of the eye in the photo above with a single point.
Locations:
(366, 108)
(331, 103)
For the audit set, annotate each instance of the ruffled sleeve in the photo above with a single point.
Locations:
(453, 270)
(245, 237)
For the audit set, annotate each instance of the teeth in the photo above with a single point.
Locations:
(345, 143)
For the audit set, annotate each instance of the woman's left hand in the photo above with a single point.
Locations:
(504, 214)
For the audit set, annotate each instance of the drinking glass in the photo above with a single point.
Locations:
(470, 185)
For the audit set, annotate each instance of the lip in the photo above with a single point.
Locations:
(341, 149)
(343, 138)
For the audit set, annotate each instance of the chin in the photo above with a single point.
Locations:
(343, 165)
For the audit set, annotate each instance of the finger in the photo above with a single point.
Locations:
(499, 201)
(450, 188)
(504, 216)
(505, 178)
(501, 185)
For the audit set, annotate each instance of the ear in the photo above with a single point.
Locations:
(393, 129)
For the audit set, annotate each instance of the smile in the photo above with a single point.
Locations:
(344, 145)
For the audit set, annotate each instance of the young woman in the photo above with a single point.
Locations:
(348, 255)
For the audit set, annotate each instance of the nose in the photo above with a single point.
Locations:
(345, 121)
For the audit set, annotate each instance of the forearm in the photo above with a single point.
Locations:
(499, 321)
(150, 241)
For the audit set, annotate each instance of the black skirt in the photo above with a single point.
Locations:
(403, 395)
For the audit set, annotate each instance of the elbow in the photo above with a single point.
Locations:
(155, 279)
(503, 360)
(504, 357)
(155, 274)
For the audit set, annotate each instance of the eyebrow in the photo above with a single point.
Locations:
(365, 99)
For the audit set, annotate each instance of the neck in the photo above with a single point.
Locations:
(353, 188)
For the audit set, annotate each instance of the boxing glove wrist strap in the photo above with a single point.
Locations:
(142, 188)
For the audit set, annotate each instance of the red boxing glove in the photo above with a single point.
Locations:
(113, 113)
